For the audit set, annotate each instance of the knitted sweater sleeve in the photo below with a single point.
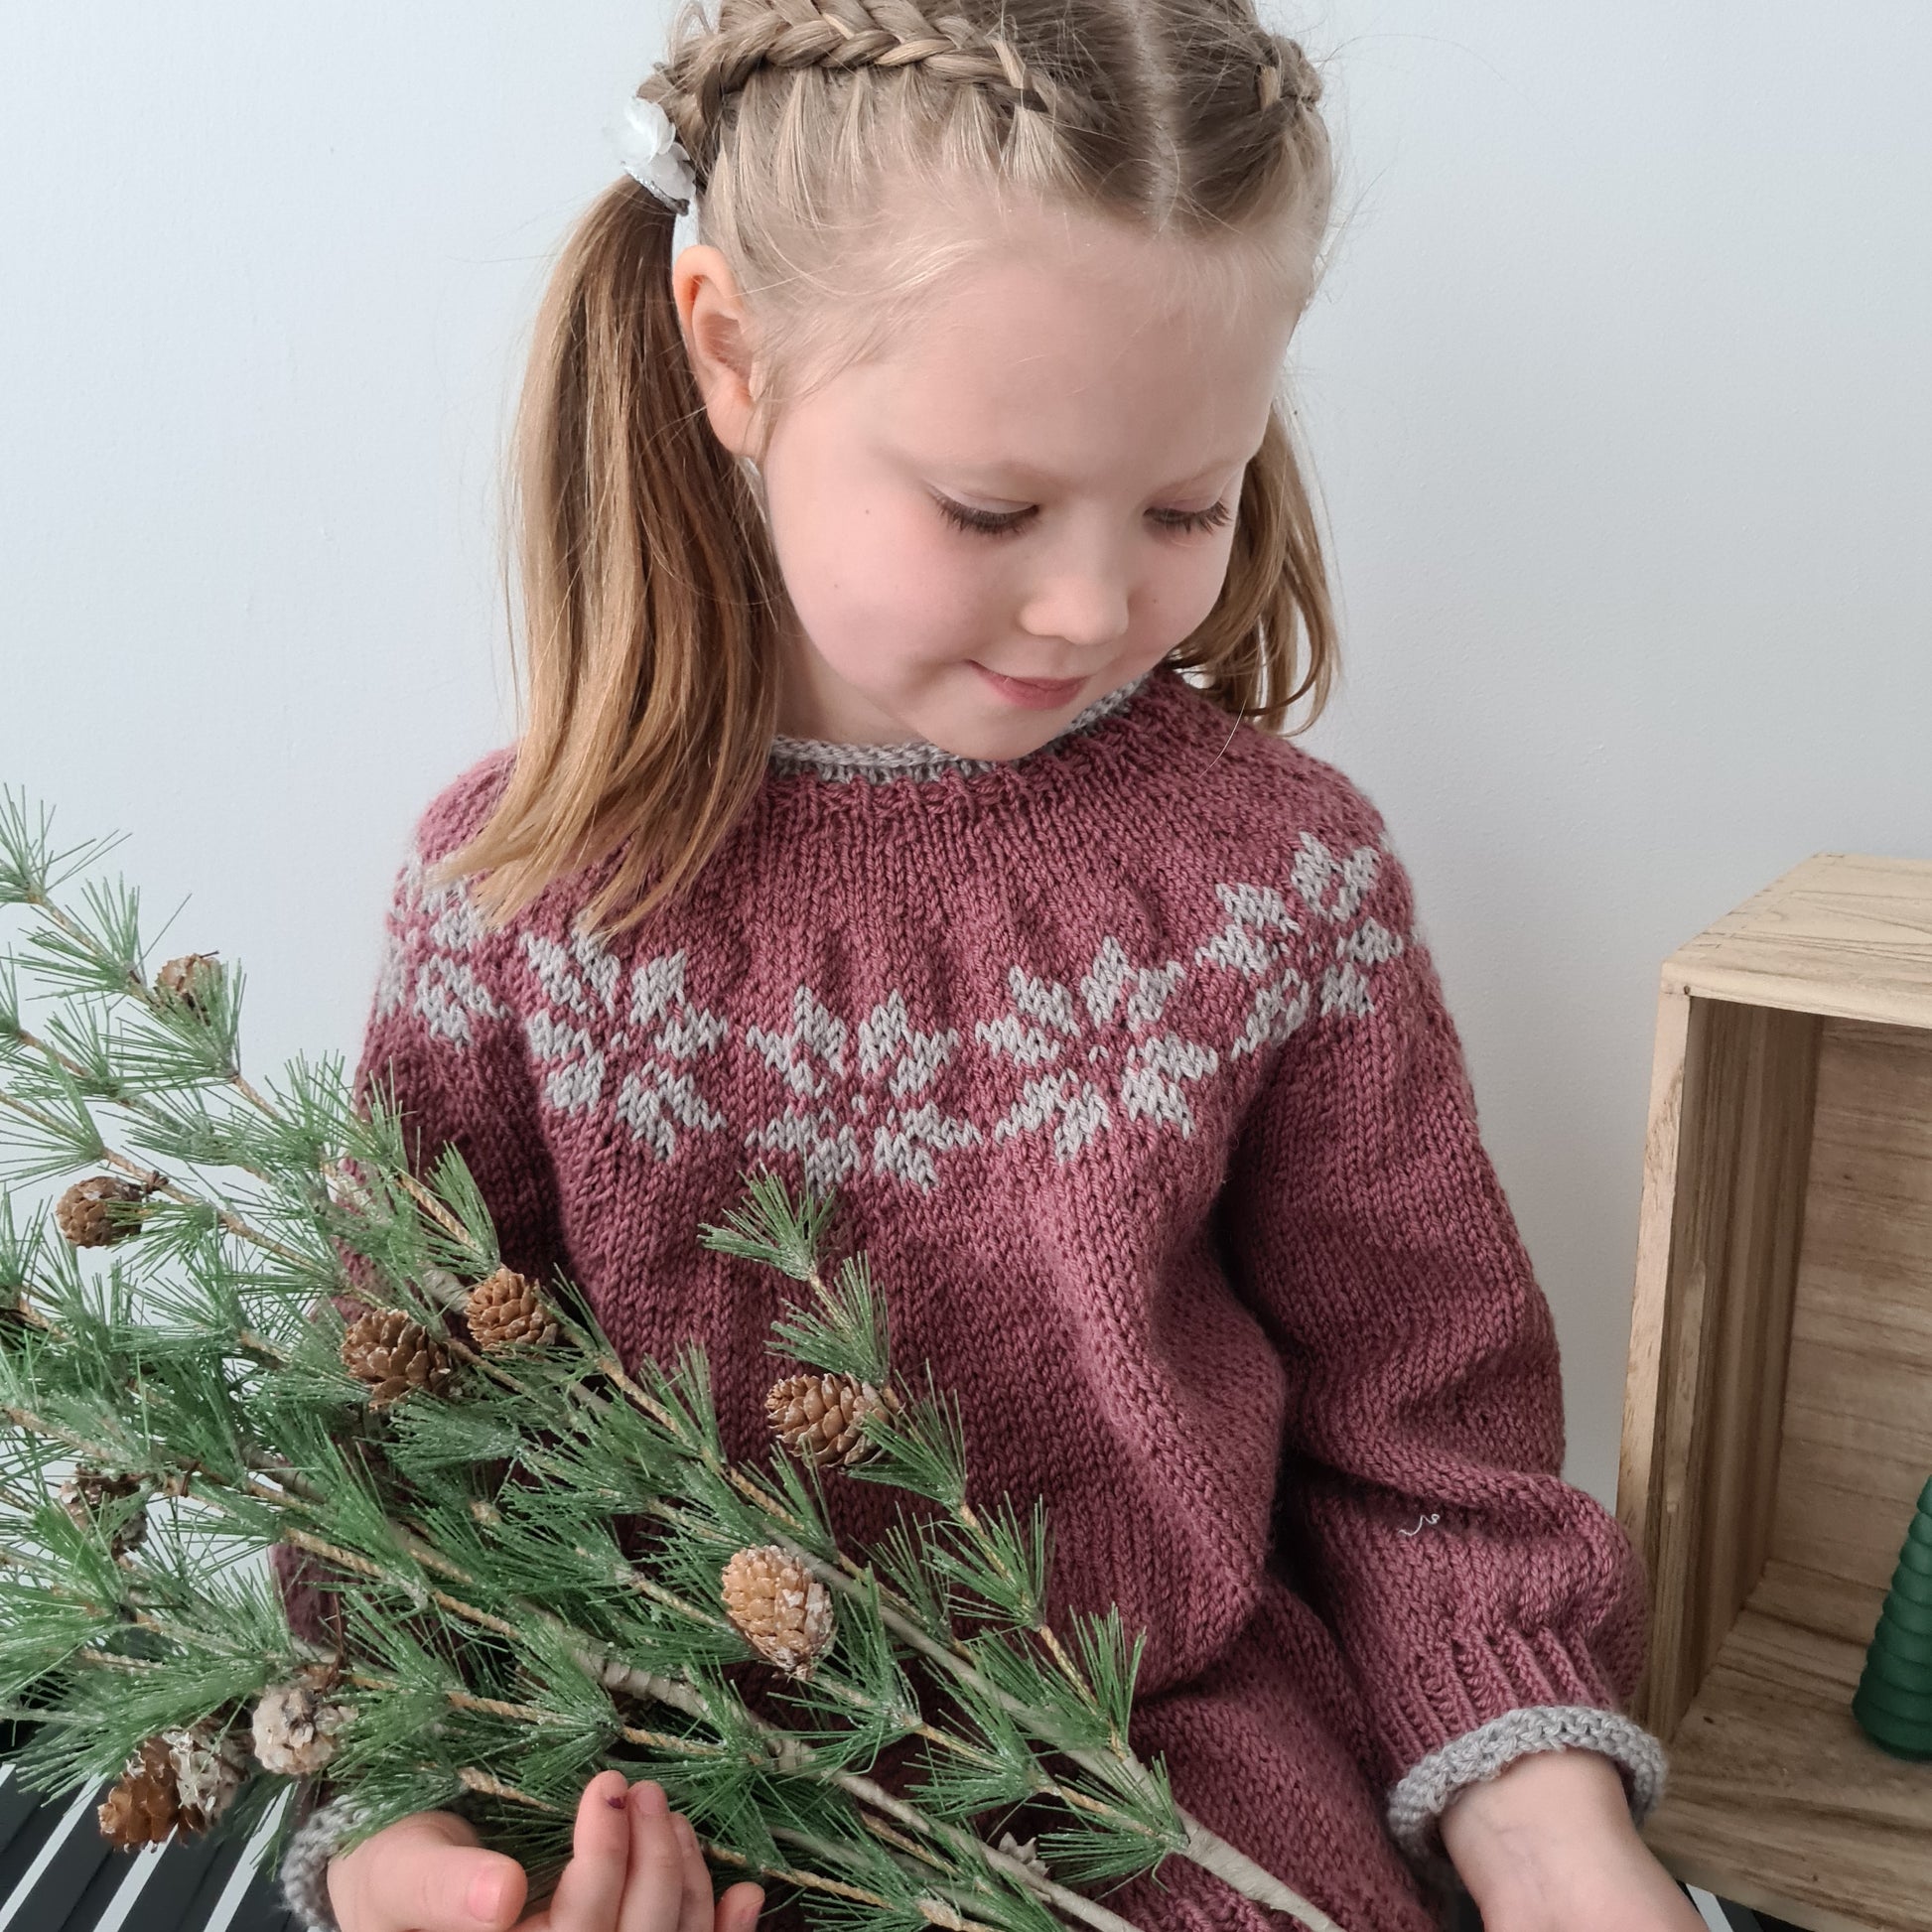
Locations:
(1487, 1608)
(439, 1040)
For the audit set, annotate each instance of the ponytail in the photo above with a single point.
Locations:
(647, 581)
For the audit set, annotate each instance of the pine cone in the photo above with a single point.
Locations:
(141, 1808)
(817, 1417)
(393, 1355)
(93, 1213)
(505, 1312)
(191, 979)
(85, 1494)
(209, 1764)
(778, 1607)
(295, 1731)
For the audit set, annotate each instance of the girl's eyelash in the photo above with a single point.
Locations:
(994, 523)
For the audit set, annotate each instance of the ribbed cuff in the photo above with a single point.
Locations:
(1416, 1803)
(1445, 1694)
(305, 1864)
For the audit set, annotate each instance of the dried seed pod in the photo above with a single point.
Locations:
(193, 979)
(85, 1494)
(142, 1808)
(817, 1417)
(100, 1210)
(504, 1310)
(778, 1607)
(293, 1730)
(1028, 1854)
(210, 1763)
(393, 1355)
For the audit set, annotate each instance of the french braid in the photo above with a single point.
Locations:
(713, 63)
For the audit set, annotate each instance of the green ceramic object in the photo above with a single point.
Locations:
(1893, 1703)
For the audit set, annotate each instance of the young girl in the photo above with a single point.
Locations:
(865, 825)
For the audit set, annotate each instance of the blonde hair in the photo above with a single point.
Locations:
(652, 597)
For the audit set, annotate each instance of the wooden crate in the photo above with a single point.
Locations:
(1778, 1412)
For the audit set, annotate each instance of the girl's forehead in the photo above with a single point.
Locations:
(1162, 325)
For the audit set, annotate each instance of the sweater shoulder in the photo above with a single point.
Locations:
(457, 813)
(1262, 796)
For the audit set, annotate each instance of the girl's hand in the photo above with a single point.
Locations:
(1548, 1846)
(634, 1866)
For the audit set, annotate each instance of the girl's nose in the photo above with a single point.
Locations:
(1084, 605)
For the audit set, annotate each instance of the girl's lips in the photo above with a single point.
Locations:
(1033, 693)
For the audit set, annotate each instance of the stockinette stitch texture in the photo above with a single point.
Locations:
(1132, 1069)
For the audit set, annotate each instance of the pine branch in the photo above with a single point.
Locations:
(235, 1411)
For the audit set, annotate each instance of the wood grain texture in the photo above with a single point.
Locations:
(1778, 1406)
(1643, 1379)
(1840, 935)
(1730, 1223)
(1778, 1800)
(1858, 1410)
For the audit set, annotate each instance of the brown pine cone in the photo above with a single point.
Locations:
(817, 1417)
(209, 1764)
(191, 979)
(94, 1213)
(142, 1808)
(505, 1312)
(295, 1731)
(85, 1494)
(778, 1607)
(393, 1355)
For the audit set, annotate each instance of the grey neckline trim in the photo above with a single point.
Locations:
(878, 764)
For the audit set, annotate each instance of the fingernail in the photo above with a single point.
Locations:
(486, 1896)
(617, 1799)
(651, 1798)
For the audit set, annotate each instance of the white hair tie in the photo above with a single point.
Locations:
(647, 145)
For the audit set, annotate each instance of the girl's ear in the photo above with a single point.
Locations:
(717, 330)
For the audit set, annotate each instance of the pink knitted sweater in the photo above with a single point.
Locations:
(1132, 1069)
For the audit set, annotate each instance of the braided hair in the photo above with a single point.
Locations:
(649, 587)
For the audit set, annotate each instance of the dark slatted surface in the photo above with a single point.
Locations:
(57, 1875)
(83, 1887)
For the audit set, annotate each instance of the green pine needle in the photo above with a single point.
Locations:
(772, 1228)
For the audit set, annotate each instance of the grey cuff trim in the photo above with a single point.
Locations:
(305, 1864)
(1418, 1802)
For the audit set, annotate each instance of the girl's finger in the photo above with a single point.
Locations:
(653, 1895)
(426, 1873)
(591, 1890)
(739, 1907)
(696, 1914)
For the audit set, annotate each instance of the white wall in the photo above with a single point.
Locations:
(1618, 389)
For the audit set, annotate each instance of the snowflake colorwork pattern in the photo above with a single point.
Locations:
(1258, 943)
(1107, 1048)
(1069, 1063)
(582, 1031)
(427, 958)
(1335, 890)
(844, 1106)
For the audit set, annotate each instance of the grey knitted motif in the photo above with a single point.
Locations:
(1066, 1060)
(878, 764)
(1416, 1803)
(305, 1864)
(426, 957)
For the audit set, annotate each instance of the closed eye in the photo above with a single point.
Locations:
(1000, 523)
